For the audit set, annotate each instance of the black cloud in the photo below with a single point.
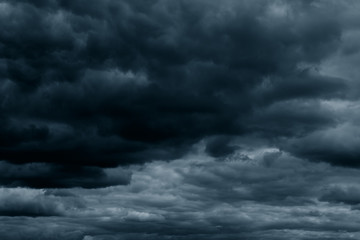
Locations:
(44, 175)
(177, 119)
(87, 85)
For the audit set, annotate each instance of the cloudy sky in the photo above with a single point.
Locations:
(179, 119)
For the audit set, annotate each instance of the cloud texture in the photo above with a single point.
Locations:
(113, 83)
(268, 196)
(164, 119)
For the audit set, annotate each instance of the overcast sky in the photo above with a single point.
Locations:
(179, 119)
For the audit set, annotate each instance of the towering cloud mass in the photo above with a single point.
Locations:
(89, 89)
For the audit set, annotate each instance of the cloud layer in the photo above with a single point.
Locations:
(269, 195)
(202, 119)
(101, 84)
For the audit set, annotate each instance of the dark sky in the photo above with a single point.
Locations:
(179, 119)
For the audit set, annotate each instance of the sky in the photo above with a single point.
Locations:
(179, 119)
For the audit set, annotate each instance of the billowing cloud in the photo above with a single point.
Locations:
(256, 194)
(113, 83)
(180, 119)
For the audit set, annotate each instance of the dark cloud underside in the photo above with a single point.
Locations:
(89, 84)
(179, 119)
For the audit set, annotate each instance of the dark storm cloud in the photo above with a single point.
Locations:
(338, 145)
(40, 175)
(219, 146)
(87, 84)
(254, 102)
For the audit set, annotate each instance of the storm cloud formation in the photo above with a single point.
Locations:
(95, 93)
(108, 83)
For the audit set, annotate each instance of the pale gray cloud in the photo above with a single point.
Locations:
(268, 195)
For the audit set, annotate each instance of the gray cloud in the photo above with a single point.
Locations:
(34, 203)
(179, 119)
(112, 83)
(268, 195)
